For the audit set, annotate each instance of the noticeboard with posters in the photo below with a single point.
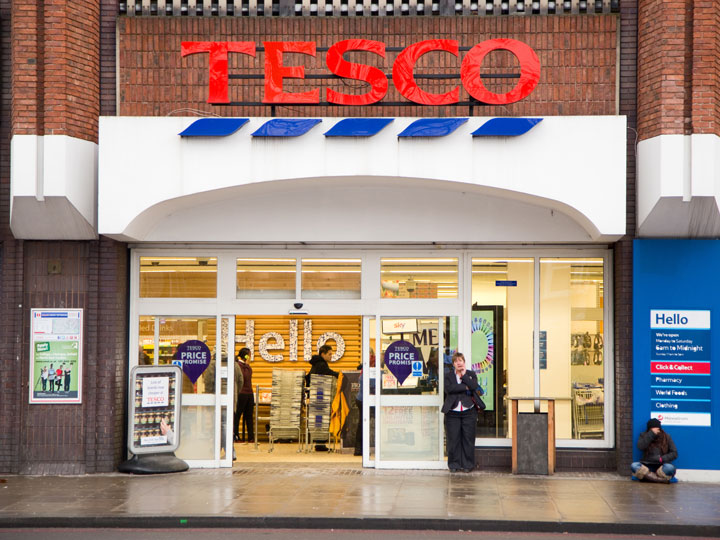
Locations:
(154, 416)
(56, 355)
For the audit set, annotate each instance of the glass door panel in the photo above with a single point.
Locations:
(409, 429)
(572, 367)
(502, 321)
(163, 339)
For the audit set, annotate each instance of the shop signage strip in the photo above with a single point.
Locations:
(403, 76)
(680, 367)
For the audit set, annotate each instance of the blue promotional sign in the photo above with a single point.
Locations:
(399, 359)
(678, 340)
(506, 283)
(676, 299)
(195, 358)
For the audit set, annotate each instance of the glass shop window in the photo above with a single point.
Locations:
(572, 363)
(178, 277)
(266, 278)
(331, 278)
(419, 277)
(501, 326)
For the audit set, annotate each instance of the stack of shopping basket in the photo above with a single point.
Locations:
(286, 406)
(322, 390)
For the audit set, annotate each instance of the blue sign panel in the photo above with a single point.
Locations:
(680, 393)
(687, 381)
(505, 283)
(680, 344)
(668, 408)
(675, 345)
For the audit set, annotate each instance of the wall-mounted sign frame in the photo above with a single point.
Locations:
(399, 326)
(154, 416)
(56, 340)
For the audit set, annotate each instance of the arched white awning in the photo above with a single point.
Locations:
(564, 181)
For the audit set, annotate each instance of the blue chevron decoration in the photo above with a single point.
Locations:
(213, 127)
(284, 127)
(432, 127)
(506, 127)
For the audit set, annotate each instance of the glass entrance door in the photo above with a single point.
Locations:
(189, 341)
(409, 353)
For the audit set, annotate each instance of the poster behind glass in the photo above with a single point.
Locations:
(56, 355)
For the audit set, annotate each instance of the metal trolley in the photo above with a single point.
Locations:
(588, 413)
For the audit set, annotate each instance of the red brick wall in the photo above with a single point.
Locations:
(55, 68)
(679, 67)
(578, 56)
(706, 67)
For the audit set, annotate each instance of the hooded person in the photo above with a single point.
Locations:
(319, 364)
(658, 451)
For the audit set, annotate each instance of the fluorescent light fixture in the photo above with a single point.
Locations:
(165, 259)
(267, 260)
(419, 272)
(266, 271)
(586, 262)
(355, 261)
(330, 271)
(428, 261)
(499, 261)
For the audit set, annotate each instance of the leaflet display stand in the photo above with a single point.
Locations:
(154, 420)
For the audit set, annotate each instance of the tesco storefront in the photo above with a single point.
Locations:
(491, 234)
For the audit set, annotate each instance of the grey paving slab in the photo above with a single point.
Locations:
(346, 496)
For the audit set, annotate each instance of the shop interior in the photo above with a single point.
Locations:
(288, 422)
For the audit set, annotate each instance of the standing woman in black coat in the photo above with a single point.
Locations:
(460, 415)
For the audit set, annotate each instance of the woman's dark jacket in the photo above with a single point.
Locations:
(655, 449)
(459, 392)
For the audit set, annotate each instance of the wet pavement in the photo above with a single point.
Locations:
(345, 496)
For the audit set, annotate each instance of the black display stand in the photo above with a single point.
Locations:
(153, 464)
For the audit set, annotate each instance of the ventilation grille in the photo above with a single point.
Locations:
(362, 8)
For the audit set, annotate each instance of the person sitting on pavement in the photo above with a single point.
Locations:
(658, 452)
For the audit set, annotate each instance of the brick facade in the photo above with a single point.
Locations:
(58, 90)
(55, 67)
(678, 67)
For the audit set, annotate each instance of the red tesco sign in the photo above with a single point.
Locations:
(402, 70)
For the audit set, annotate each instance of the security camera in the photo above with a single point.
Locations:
(298, 305)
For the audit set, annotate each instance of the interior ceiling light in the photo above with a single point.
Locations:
(420, 272)
(266, 260)
(427, 261)
(355, 261)
(586, 262)
(501, 261)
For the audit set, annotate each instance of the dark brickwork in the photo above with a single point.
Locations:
(87, 437)
(623, 250)
(500, 459)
